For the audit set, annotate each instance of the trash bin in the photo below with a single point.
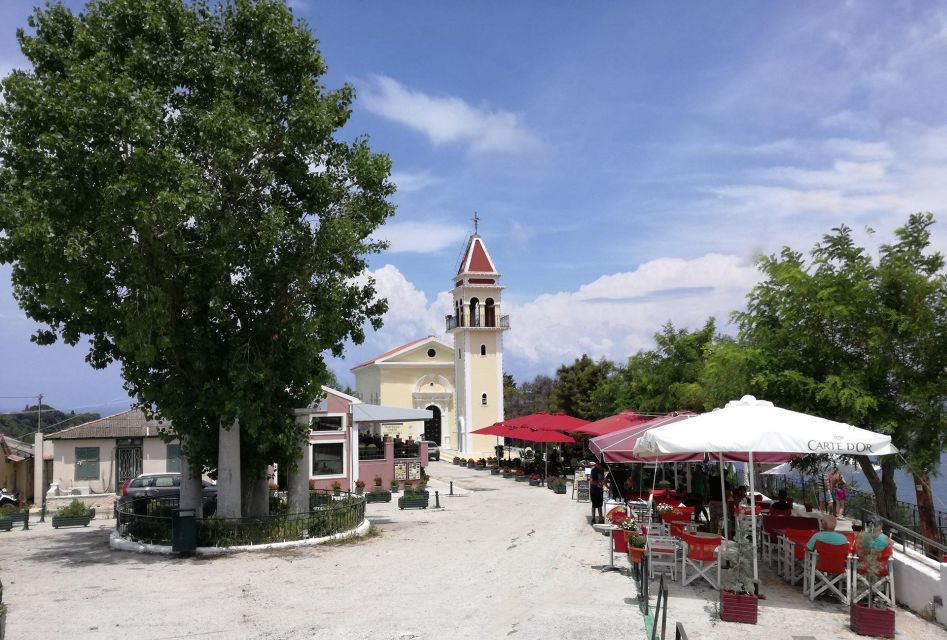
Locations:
(183, 530)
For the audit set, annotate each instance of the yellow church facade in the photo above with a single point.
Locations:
(462, 384)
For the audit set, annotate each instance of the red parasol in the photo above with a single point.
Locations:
(495, 429)
(543, 421)
(539, 435)
(613, 423)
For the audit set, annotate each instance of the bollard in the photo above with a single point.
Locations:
(437, 500)
(452, 487)
(26, 521)
(42, 512)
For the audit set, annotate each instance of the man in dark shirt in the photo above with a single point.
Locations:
(783, 503)
(597, 491)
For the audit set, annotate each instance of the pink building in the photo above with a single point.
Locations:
(342, 426)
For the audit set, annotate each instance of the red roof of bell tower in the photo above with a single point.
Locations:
(476, 259)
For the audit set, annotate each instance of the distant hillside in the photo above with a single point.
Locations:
(22, 425)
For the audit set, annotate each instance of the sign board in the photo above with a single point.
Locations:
(582, 490)
(414, 471)
(391, 429)
(401, 471)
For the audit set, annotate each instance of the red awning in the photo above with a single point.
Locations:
(618, 446)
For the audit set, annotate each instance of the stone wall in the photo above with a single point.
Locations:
(103, 503)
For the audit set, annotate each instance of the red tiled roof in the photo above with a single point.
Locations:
(390, 352)
(127, 424)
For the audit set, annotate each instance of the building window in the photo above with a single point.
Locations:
(328, 459)
(326, 423)
(174, 458)
(87, 463)
(483, 399)
(483, 349)
(431, 353)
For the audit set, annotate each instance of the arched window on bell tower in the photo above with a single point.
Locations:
(474, 312)
(490, 317)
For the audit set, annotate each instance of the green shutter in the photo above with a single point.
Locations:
(87, 463)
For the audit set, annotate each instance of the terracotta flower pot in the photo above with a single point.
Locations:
(738, 607)
(869, 621)
(635, 554)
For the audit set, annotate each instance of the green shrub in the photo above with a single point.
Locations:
(74, 508)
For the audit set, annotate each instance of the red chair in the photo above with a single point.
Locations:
(829, 571)
(699, 554)
(780, 512)
(882, 586)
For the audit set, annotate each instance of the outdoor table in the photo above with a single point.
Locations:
(610, 529)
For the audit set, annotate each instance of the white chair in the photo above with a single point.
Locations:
(830, 571)
(699, 554)
(662, 553)
(882, 588)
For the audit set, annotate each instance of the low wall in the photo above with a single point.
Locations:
(917, 580)
(103, 503)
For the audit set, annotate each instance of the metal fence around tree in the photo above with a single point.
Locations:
(150, 521)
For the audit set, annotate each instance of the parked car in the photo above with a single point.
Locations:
(433, 452)
(161, 485)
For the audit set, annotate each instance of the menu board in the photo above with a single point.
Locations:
(414, 471)
(582, 490)
(401, 471)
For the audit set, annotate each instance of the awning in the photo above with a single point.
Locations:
(379, 413)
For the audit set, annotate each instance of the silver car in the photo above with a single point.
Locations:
(433, 452)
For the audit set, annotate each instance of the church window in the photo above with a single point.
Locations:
(483, 349)
(491, 317)
(474, 312)
(431, 353)
(483, 399)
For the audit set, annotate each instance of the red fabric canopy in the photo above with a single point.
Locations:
(495, 429)
(613, 423)
(547, 422)
(618, 446)
(539, 435)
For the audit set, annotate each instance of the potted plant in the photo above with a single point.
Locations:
(378, 493)
(634, 541)
(738, 601)
(481, 464)
(378, 481)
(495, 470)
(874, 618)
(336, 488)
(559, 486)
(471, 463)
(521, 475)
(507, 473)
(394, 486)
(75, 514)
(415, 497)
(534, 479)
(359, 487)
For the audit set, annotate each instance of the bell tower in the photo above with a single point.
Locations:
(477, 326)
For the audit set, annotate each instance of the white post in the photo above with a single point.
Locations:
(191, 488)
(726, 517)
(38, 461)
(753, 520)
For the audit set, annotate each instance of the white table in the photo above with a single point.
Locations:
(610, 529)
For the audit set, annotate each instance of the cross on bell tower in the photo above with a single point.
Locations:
(476, 221)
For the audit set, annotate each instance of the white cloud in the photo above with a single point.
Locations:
(412, 181)
(612, 317)
(448, 119)
(420, 237)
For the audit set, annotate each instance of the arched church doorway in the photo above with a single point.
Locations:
(432, 426)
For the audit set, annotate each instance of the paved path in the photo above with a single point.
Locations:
(501, 560)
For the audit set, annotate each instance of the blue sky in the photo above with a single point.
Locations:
(628, 161)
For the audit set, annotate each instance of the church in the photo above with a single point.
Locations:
(462, 384)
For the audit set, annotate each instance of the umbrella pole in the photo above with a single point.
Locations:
(546, 458)
(723, 500)
(756, 577)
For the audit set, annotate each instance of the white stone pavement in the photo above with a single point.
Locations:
(501, 560)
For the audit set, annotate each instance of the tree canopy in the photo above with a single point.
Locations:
(172, 189)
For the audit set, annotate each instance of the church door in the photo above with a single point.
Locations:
(432, 427)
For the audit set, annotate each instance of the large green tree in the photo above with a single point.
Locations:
(861, 340)
(575, 385)
(172, 188)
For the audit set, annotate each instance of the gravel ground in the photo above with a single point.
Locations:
(500, 560)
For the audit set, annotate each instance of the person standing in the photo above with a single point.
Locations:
(839, 492)
(699, 490)
(597, 491)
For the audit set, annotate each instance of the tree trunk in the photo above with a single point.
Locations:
(228, 472)
(925, 507)
(884, 487)
(256, 491)
(191, 487)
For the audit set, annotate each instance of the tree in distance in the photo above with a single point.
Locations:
(173, 189)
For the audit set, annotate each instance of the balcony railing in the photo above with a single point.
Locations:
(453, 322)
